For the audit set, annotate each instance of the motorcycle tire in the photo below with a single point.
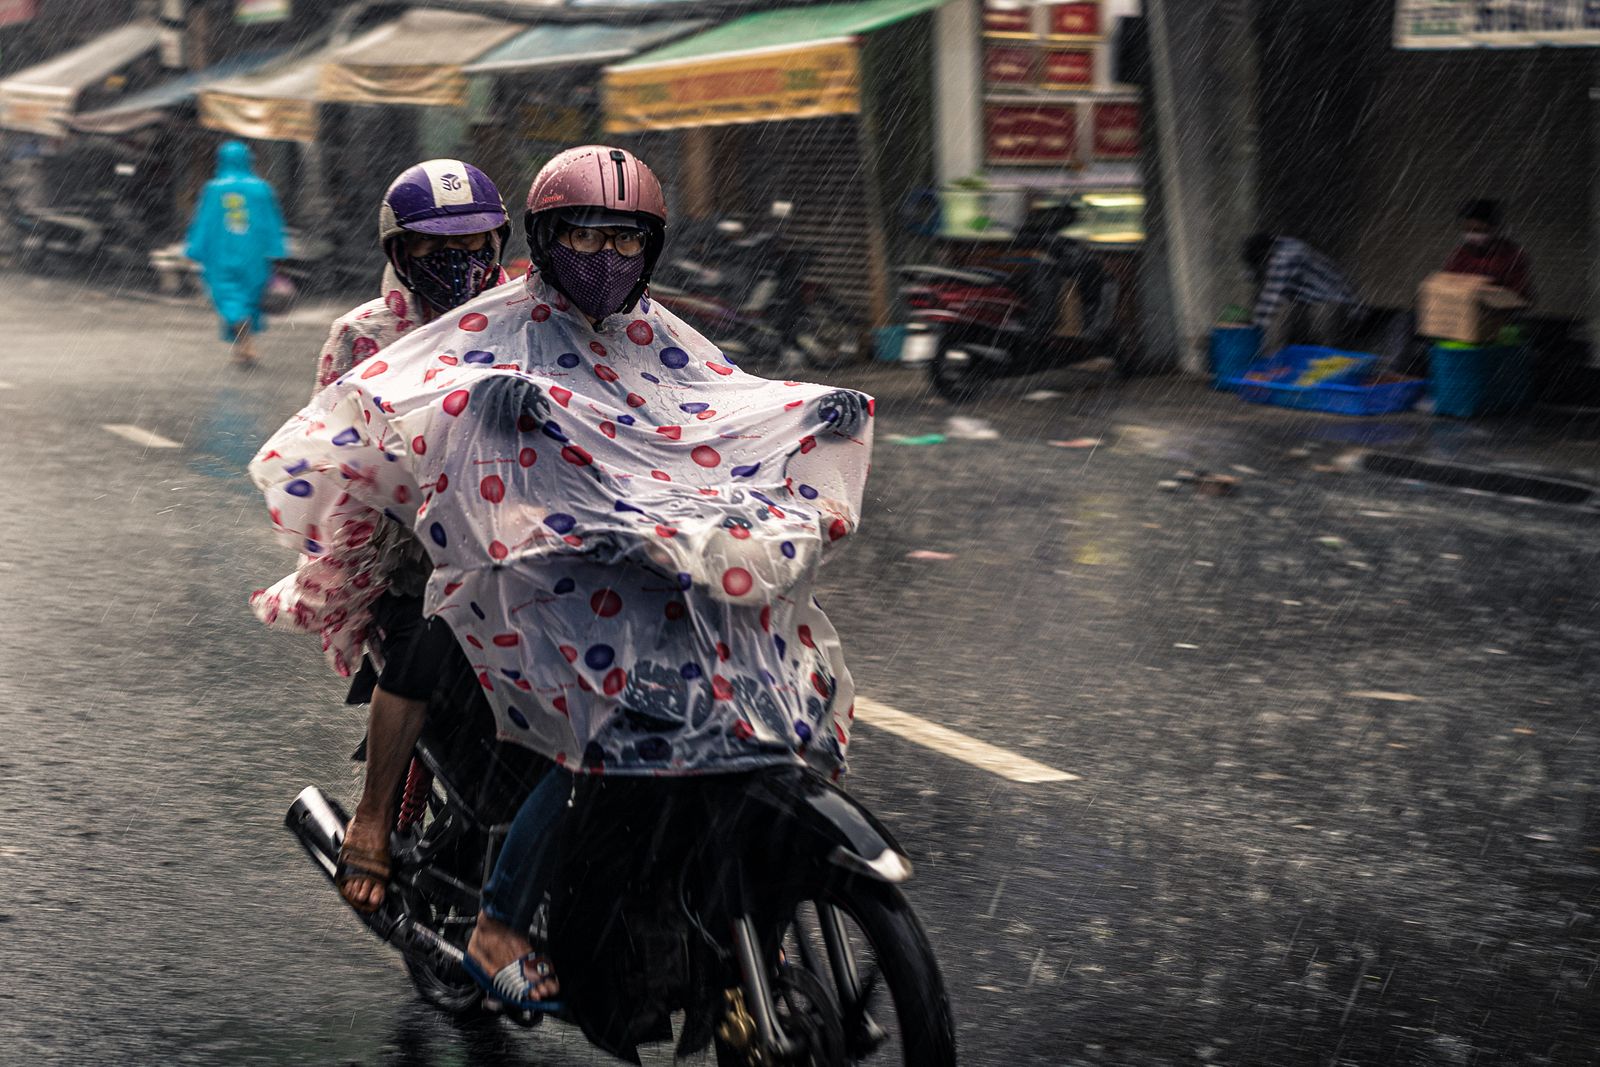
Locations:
(906, 966)
(827, 336)
(956, 380)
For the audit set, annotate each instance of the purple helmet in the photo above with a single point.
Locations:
(442, 197)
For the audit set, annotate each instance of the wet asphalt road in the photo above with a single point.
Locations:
(1336, 736)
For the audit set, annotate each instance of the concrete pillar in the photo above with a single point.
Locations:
(1204, 79)
(958, 88)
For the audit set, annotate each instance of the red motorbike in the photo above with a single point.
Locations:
(1022, 318)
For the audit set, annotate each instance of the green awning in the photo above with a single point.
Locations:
(576, 44)
(794, 27)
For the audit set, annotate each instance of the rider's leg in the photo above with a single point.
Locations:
(393, 726)
(413, 655)
(521, 876)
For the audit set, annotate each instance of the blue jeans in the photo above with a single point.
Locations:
(528, 858)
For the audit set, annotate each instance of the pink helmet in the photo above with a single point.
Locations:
(597, 185)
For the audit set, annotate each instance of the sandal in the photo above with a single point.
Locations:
(367, 864)
(512, 985)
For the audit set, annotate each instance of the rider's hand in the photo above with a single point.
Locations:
(844, 410)
(503, 401)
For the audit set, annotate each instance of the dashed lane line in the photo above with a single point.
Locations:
(140, 436)
(980, 754)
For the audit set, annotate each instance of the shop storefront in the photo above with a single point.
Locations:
(541, 90)
(825, 109)
(1055, 123)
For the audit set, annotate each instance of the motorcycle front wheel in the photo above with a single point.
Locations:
(887, 1000)
(954, 372)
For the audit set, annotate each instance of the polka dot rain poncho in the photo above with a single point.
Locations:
(625, 528)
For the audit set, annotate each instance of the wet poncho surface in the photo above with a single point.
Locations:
(625, 528)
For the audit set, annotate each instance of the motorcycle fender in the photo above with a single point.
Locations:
(846, 834)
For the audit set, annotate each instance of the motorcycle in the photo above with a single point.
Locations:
(765, 906)
(978, 326)
(753, 294)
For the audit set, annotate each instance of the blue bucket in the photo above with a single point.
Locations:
(1233, 349)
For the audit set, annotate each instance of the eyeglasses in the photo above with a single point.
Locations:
(587, 239)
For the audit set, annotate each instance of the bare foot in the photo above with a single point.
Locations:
(494, 946)
(366, 858)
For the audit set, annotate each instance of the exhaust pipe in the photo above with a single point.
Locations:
(317, 822)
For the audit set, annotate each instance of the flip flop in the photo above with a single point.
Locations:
(361, 863)
(511, 986)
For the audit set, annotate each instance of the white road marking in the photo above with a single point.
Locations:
(1381, 694)
(979, 754)
(140, 436)
(6, 385)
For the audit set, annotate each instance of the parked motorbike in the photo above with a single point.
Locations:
(981, 325)
(104, 227)
(754, 294)
(765, 907)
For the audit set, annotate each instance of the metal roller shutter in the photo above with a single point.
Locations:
(816, 165)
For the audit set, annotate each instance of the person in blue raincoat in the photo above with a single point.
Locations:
(236, 234)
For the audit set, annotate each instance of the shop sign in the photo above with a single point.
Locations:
(15, 11)
(1008, 21)
(1075, 20)
(1008, 66)
(557, 123)
(801, 83)
(1495, 23)
(1043, 134)
(1116, 131)
(1068, 68)
(261, 11)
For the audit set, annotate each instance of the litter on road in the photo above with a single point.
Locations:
(1078, 442)
(924, 439)
(968, 428)
(929, 554)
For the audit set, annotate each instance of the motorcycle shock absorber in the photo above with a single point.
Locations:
(414, 799)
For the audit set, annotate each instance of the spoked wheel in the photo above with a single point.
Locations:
(954, 371)
(860, 944)
(827, 335)
(440, 980)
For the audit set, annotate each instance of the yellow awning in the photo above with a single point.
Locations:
(792, 63)
(277, 106)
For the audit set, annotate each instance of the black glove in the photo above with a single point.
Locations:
(506, 403)
(844, 410)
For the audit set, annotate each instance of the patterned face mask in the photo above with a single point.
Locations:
(597, 282)
(450, 277)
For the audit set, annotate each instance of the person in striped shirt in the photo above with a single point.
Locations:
(1303, 297)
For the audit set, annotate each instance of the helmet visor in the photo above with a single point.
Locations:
(451, 225)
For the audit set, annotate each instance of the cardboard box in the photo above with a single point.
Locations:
(1464, 307)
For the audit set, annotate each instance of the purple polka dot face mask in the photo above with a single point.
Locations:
(597, 282)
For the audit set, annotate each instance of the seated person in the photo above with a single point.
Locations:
(1303, 297)
(1050, 264)
(1487, 251)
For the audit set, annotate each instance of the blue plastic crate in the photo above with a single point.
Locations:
(1379, 398)
(1346, 391)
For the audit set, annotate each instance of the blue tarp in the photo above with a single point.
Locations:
(578, 44)
(150, 106)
